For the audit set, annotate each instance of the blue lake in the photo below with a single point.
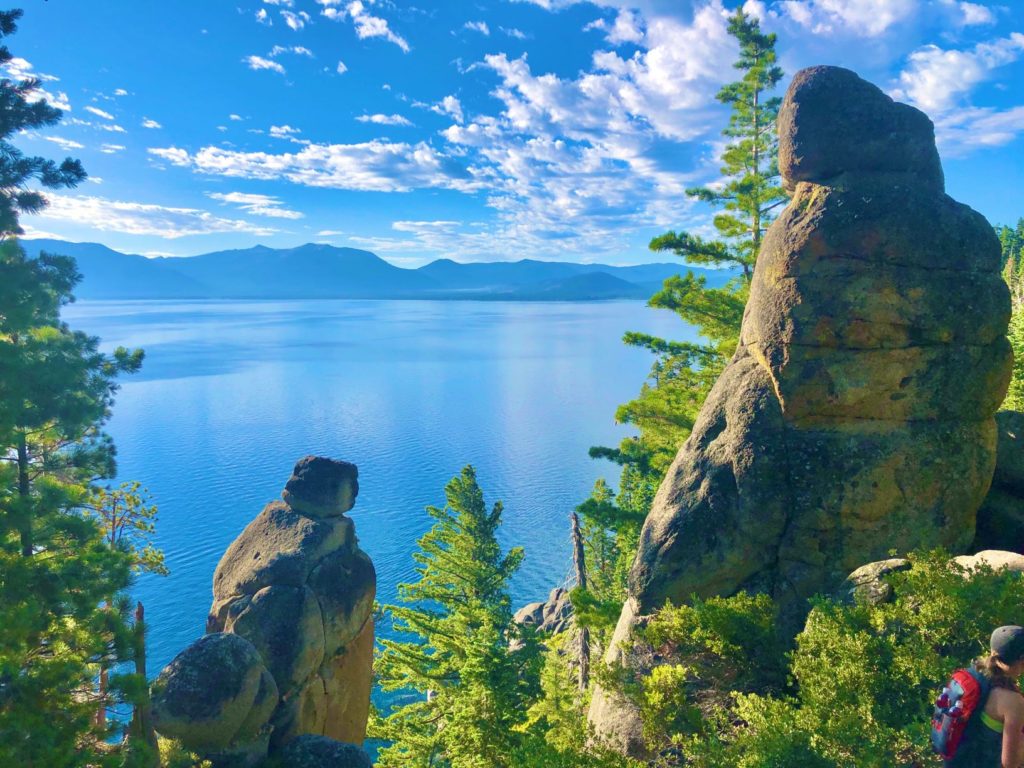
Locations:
(232, 393)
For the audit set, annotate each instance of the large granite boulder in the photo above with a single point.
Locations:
(216, 696)
(1001, 517)
(296, 593)
(856, 416)
(551, 617)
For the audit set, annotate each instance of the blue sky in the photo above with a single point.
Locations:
(479, 131)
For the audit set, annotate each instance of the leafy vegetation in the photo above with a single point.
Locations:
(1012, 241)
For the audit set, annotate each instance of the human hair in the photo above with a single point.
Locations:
(995, 669)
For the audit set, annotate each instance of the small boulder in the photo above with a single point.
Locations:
(552, 617)
(868, 582)
(322, 752)
(322, 487)
(215, 694)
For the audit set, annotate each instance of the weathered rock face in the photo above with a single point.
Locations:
(296, 592)
(857, 414)
(320, 752)
(551, 617)
(1001, 517)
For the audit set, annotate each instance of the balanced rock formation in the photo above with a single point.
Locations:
(297, 592)
(856, 416)
(1001, 517)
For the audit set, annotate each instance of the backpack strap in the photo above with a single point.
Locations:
(986, 688)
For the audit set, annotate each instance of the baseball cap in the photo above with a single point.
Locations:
(1008, 643)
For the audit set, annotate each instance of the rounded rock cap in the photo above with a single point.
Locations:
(322, 487)
(832, 122)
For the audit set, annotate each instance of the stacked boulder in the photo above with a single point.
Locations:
(856, 416)
(1001, 517)
(290, 648)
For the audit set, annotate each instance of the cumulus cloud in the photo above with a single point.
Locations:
(172, 155)
(110, 149)
(258, 62)
(234, 117)
(142, 218)
(258, 205)
(940, 81)
(628, 27)
(513, 32)
(936, 78)
(120, 92)
(378, 166)
(149, 123)
(111, 128)
(283, 131)
(450, 105)
(868, 18)
(264, 18)
(298, 50)
(341, 69)
(477, 26)
(99, 113)
(380, 119)
(366, 24)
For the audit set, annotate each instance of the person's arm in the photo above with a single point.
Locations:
(1012, 707)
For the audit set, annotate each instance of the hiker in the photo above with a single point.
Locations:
(994, 733)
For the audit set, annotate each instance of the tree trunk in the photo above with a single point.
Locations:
(583, 633)
(141, 728)
(24, 497)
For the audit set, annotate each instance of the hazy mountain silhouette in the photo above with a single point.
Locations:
(323, 271)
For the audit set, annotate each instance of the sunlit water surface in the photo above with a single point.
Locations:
(232, 393)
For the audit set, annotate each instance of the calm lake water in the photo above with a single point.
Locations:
(232, 393)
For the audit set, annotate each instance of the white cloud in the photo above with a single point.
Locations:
(264, 18)
(377, 165)
(366, 24)
(477, 26)
(111, 128)
(935, 79)
(285, 3)
(628, 27)
(298, 50)
(283, 131)
(234, 117)
(99, 113)
(120, 92)
(172, 155)
(866, 18)
(518, 34)
(142, 218)
(20, 69)
(258, 205)
(450, 106)
(380, 119)
(329, 233)
(110, 149)
(964, 130)
(150, 123)
(258, 62)
(341, 68)
(65, 144)
(295, 21)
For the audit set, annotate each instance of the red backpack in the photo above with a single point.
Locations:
(962, 697)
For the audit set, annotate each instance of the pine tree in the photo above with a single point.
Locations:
(684, 372)
(453, 653)
(56, 391)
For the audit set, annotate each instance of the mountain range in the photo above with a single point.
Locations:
(317, 271)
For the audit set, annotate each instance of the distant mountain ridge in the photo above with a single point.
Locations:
(317, 271)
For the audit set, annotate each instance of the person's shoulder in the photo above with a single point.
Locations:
(1008, 701)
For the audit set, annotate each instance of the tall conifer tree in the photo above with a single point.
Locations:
(747, 199)
(56, 390)
(471, 690)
